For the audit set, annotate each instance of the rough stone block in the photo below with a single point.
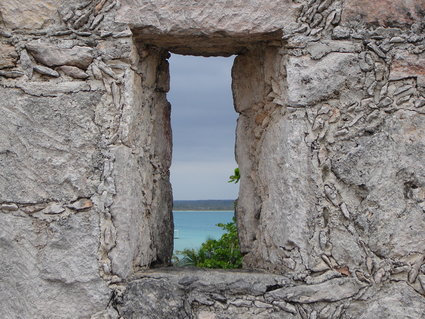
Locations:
(210, 16)
(51, 55)
(389, 167)
(331, 290)
(406, 65)
(310, 82)
(384, 12)
(51, 151)
(8, 56)
(396, 301)
(50, 269)
(34, 14)
(196, 293)
(133, 246)
(283, 163)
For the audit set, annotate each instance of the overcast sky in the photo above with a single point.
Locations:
(203, 121)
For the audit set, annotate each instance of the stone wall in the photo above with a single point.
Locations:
(330, 144)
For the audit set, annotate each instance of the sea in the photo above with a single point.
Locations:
(192, 228)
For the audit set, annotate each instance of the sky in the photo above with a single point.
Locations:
(203, 122)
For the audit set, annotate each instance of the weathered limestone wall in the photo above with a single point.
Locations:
(239, 295)
(85, 148)
(330, 143)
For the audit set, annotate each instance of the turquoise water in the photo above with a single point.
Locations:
(192, 228)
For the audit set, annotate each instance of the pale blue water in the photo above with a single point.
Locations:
(192, 228)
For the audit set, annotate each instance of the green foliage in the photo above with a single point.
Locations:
(235, 178)
(222, 253)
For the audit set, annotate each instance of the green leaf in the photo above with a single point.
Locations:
(236, 177)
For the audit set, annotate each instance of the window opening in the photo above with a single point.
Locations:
(203, 121)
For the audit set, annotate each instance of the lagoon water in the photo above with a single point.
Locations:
(192, 228)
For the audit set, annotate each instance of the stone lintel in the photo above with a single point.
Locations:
(209, 22)
(215, 44)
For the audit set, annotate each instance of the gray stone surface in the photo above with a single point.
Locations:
(50, 269)
(74, 72)
(8, 56)
(46, 71)
(392, 192)
(311, 82)
(198, 293)
(330, 290)
(54, 56)
(209, 17)
(51, 149)
(26, 15)
(393, 301)
(330, 145)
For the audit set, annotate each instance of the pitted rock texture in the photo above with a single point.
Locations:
(36, 14)
(51, 150)
(205, 294)
(215, 27)
(48, 55)
(49, 266)
(330, 146)
(386, 13)
(8, 56)
(408, 65)
(208, 17)
(310, 82)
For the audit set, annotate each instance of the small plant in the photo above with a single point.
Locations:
(236, 177)
(222, 253)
